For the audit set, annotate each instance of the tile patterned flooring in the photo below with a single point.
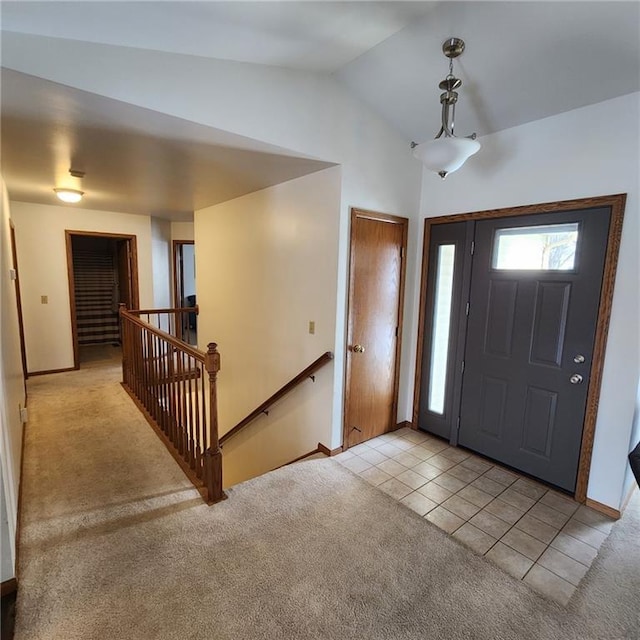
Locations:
(532, 532)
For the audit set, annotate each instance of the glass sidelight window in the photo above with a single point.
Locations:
(541, 248)
(441, 327)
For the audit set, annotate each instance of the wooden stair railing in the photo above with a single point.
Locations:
(174, 385)
(283, 391)
(172, 321)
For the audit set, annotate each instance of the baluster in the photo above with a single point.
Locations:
(179, 411)
(165, 389)
(190, 445)
(199, 418)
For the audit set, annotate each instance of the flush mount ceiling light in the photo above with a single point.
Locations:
(71, 196)
(447, 152)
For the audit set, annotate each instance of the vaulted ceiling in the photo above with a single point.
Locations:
(524, 61)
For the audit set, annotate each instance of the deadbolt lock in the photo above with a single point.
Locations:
(579, 359)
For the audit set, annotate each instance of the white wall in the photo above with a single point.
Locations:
(161, 255)
(272, 267)
(630, 480)
(12, 395)
(309, 113)
(587, 152)
(42, 259)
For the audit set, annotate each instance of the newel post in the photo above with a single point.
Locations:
(213, 454)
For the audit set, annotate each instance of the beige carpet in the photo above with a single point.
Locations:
(117, 545)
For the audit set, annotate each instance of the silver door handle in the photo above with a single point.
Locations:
(576, 378)
(358, 348)
(579, 359)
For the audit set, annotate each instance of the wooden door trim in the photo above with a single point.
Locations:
(617, 204)
(378, 217)
(69, 234)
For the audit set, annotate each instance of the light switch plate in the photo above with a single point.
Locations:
(312, 327)
(44, 299)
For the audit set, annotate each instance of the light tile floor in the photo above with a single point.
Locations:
(532, 532)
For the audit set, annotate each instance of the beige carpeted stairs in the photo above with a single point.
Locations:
(116, 545)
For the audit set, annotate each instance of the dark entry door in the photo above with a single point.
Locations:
(376, 288)
(535, 290)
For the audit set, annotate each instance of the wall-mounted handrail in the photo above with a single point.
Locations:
(283, 391)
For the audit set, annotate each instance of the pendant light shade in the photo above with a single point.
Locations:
(447, 152)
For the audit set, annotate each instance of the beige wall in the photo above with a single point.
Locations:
(12, 396)
(271, 268)
(40, 235)
(182, 230)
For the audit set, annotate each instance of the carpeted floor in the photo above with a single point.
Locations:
(116, 544)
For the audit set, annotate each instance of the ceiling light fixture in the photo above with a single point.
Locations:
(69, 195)
(447, 153)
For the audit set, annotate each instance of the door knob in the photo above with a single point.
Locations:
(358, 348)
(579, 359)
(576, 378)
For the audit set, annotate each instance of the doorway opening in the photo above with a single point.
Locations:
(184, 288)
(514, 313)
(103, 273)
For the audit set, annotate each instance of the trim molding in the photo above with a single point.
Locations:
(8, 586)
(328, 452)
(48, 371)
(406, 423)
(603, 508)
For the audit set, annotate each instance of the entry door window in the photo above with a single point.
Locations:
(441, 327)
(550, 247)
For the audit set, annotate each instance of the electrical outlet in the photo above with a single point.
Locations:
(312, 327)
(44, 299)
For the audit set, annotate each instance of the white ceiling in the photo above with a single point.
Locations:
(141, 161)
(524, 61)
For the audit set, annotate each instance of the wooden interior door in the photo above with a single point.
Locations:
(376, 293)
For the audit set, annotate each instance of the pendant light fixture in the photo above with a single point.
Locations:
(447, 152)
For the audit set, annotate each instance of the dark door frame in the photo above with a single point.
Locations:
(69, 235)
(381, 217)
(617, 204)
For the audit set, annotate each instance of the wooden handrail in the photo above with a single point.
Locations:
(264, 407)
(172, 340)
(195, 310)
